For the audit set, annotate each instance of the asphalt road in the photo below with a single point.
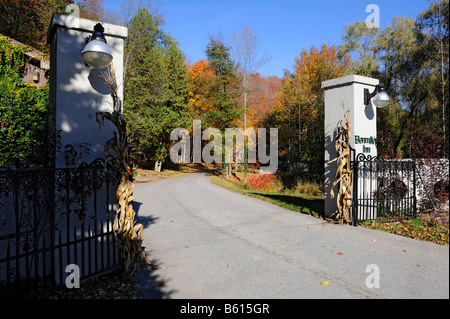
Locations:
(210, 243)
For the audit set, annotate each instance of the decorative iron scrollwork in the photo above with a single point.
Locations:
(72, 187)
(45, 210)
(361, 157)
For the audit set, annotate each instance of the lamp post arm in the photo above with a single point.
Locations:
(368, 96)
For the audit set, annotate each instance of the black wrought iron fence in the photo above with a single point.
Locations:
(53, 218)
(383, 189)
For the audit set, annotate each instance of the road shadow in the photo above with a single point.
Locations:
(307, 206)
(144, 220)
(151, 285)
(136, 206)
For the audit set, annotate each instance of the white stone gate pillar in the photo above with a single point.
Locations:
(342, 95)
(78, 91)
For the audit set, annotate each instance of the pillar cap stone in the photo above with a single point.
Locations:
(85, 25)
(348, 80)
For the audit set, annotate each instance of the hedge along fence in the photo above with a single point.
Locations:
(23, 110)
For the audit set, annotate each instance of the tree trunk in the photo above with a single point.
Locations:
(158, 166)
(245, 129)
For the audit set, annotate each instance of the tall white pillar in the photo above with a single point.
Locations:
(342, 95)
(78, 91)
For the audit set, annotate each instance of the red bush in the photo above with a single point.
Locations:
(264, 182)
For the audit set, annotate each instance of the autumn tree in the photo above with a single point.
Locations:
(432, 31)
(262, 91)
(201, 76)
(247, 55)
(410, 57)
(27, 21)
(299, 106)
(358, 43)
(91, 9)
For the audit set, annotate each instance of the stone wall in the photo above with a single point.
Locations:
(432, 176)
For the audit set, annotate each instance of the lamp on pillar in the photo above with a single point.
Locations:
(97, 53)
(381, 99)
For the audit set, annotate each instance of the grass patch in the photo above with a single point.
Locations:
(289, 199)
(426, 227)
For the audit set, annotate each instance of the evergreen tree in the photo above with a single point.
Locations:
(224, 85)
(224, 88)
(155, 86)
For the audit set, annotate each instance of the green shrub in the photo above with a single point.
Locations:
(23, 111)
(310, 188)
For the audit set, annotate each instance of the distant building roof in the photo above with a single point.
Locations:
(36, 65)
(32, 53)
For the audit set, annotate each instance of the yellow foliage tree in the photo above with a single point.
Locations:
(200, 75)
(299, 105)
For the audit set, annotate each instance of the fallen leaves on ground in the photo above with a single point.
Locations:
(425, 227)
(110, 286)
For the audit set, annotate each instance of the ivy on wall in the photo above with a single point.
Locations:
(23, 110)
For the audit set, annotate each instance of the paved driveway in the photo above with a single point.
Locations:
(208, 242)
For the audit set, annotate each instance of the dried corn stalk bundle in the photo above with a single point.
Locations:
(128, 232)
(344, 172)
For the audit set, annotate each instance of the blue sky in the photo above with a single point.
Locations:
(284, 27)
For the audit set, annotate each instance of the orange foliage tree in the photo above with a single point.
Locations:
(200, 76)
(261, 100)
(91, 9)
(299, 105)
